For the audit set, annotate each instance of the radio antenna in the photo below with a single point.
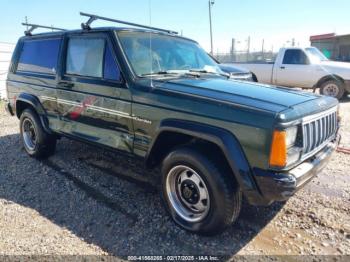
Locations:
(150, 39)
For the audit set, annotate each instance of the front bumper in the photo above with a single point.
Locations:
(276, 186)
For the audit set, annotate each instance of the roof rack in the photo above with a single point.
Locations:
(92, 18)
(34, 26)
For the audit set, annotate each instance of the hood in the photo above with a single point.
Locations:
(237, 93)
(231, 69)
(336, 64)
(341, 69)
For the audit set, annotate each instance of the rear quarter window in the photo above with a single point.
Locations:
(39, 56)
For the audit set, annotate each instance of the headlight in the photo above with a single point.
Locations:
(283, 148)
(291, 136)
(239, 76)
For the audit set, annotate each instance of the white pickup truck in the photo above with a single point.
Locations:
(304, 68)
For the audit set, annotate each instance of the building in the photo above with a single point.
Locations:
(335, 47)
(6, 50)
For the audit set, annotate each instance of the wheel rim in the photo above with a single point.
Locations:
(29, 134)
(187, 193)
(331, 90)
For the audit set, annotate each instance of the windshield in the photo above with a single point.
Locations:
(315, 54)
(151, 53)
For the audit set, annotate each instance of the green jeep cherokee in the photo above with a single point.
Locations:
(159, 96)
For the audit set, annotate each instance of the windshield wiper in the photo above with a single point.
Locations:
(203, 71)
(191, 72)
(161, 73)
(172, 72)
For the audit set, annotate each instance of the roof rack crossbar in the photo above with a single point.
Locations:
(92, 18)
(34, 26)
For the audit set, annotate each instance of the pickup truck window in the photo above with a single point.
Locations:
(295, 57)
(315, 54)
(39, 56)
(150, 52)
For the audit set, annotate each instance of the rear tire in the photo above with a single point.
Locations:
(37, 143)
(201, 195)
(332, 88)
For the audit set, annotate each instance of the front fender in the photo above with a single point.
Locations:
(328, 77)
(226, 141)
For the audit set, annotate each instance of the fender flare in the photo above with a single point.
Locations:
(34, 102)
(326, 78)
(225, 140)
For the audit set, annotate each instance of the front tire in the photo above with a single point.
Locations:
(332, 88)
(37, 143)
(201, 195)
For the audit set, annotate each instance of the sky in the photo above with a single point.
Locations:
(275, 21)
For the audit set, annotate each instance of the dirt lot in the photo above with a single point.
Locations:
(89, 201)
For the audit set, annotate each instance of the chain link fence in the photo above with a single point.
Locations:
(245, 57)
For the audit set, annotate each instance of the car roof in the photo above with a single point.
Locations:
(104, 29)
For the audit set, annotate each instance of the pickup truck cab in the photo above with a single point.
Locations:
(304, 68)
(154, 95)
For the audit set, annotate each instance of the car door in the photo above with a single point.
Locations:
(295, 70)
(93, 101)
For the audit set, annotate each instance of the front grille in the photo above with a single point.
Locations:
(318, 130)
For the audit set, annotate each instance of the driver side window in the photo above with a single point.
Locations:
(295, 57)
(91, 57)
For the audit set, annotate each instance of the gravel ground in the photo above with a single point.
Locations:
(87, 201)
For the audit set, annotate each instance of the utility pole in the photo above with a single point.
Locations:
(233, 48)
(262, 48)
(211, 3)
(272, 51)
(26, 19)
(248, 48)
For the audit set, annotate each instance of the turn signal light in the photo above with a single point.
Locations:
(278, 155)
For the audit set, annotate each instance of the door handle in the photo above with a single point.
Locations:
(65, 84)
(283, 67)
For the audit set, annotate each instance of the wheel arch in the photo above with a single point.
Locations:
(24, 101)
(189, 132)
(327, 78)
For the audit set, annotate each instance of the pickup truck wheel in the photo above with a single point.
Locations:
(36, 141)
(200, 195)
(332, 88)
